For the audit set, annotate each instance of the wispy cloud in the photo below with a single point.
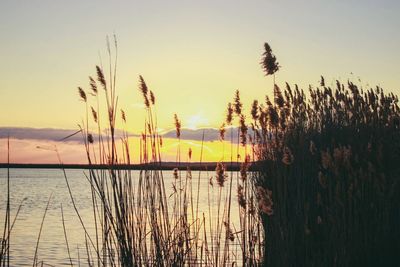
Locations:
(210, 134)
(56, 135)
(47, 134)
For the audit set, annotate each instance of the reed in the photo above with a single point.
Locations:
(35, 258)
(137, 223)
(328, 180)
(5, 240)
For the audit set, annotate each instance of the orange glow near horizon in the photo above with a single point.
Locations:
(37, 152)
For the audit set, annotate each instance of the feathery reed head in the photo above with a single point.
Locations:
(93, 85)
(273, 117)
(94, 114)
(237, 104)
(90, 138)
(278, 97)
(222, 132)
(268, 62)
(229, 114)
(123, 116)
(322, 82)
(220, 175)
(177, 126)
(143, 85)
(254, 110)
(82, 94)
(115, 41)
(144, 89)
(243, 130)
(152, 98)
(100, 77)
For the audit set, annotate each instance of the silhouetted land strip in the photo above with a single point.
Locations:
(195, 166)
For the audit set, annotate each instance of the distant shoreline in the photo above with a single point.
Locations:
(195, 166)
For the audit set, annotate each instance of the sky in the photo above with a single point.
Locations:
(192, 54)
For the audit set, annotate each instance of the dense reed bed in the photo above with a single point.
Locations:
(329, 174)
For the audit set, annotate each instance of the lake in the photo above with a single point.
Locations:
(33, 187)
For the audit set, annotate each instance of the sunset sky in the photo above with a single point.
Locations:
(193, 55)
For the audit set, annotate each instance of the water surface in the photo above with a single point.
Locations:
(33, 187)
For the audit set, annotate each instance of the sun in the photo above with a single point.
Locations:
(195, 121)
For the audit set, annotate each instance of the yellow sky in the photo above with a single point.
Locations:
(193, 55)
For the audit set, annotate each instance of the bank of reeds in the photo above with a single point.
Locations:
(329, 176)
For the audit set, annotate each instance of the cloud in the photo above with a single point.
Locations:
(37, 145)
(56, 135)
(47, 134)
(210, 134)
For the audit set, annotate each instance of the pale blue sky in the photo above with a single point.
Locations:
(194, 54)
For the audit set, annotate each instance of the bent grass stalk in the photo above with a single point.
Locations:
(40, 231)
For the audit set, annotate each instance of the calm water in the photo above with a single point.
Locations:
(34, 186)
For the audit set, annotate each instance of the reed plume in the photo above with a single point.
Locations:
(82, 94)
(100, 77)
(93, 85)
(269, 62)
(177, 123)
(229, 114)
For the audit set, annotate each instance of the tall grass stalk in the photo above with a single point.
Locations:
(137, 223)
(35, 257)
